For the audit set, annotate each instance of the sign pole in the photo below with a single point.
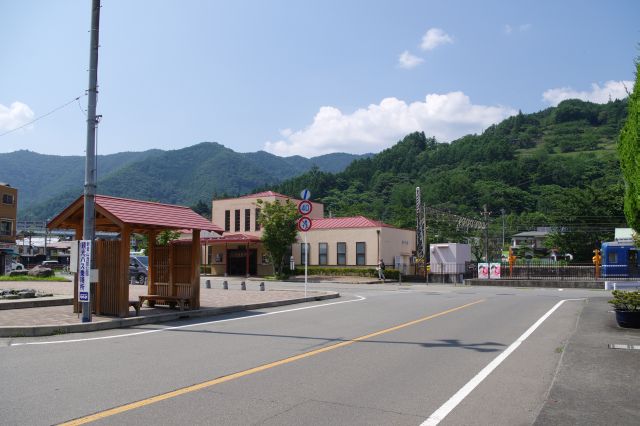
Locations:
(306, 256)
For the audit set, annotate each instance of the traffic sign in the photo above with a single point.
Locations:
(304, 224)
(305, 194)
(305, 207)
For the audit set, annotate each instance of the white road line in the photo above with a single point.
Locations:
(465, 390)
(360, 298)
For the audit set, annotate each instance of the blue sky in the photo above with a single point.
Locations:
(301, 77)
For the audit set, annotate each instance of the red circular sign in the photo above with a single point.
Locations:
(304, 224)
(305, 207)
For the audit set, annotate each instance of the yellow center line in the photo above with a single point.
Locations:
(233, 376)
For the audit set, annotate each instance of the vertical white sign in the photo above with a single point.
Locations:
(84, 271)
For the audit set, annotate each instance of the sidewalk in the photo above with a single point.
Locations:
(42, 321)
(596, 384)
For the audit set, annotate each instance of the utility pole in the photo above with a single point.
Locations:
(89, 223)
(502, 211)
(486, 214)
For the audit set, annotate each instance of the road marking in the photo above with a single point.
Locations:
(465, 390)
(233, 376)
(88, 339)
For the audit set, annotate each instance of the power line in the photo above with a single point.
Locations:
(42, 116)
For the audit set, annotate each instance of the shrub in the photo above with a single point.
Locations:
(626, 300)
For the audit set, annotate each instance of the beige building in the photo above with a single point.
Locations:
(8, 216)
(356, 242)
(239, 251)
(348, 242)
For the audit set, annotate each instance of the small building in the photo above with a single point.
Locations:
(530, 239)
(448, 261)
(240, 251)
(174, 269)
(356, 242)
(341, 242)
(8, 216)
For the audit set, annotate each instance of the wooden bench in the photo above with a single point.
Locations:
(170, 300)
(136, 305)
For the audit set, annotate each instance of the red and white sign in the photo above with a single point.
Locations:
(305, 207)
(304, 224)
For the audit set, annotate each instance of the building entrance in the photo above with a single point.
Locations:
(237, 262)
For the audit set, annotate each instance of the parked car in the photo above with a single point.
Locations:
(15, 266)
(138, 268)
(51, 264)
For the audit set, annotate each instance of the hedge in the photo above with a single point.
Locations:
(391, 274)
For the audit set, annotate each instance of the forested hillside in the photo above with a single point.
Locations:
(557, 168)
(48, 183)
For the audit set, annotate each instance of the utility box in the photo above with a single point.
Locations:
(448, 261)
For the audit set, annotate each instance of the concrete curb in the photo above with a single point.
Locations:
(39, 302)
(47, 330)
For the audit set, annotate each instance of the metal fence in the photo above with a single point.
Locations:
(554, 270)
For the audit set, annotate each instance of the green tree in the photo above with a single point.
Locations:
(629, 149)
(278, 222)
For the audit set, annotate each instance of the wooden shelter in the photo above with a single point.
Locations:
(174, 270)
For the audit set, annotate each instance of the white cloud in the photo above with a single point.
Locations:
(14, 116)
(434, 38)
(407, 60)
(379, 126)
(508, 29)
(600, 95)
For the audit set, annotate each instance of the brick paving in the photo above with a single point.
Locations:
(214, 297)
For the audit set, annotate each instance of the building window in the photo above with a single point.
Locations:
(247, 219)
(7, 199)
(227, 220)
(322, 253)
(342, 254)
(6, 227)
(236, 225)
(304, 248)
(257, 219)
(361, 254)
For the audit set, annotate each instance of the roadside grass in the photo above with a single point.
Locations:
(28, 278)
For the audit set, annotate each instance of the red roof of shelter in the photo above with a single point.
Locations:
(139, 214)
(347, 222)
(232, 238)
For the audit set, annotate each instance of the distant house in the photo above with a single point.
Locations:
(530, 239)
(8, 215)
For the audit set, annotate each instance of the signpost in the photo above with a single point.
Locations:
(304, 224)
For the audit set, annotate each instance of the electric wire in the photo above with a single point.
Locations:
(42, 116)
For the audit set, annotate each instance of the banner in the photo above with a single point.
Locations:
(483, 271)
(84, 271)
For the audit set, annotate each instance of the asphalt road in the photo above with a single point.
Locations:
(380, 355)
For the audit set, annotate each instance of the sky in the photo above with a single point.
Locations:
(301, 77)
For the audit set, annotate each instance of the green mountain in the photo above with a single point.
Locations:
(557, 168)
(48, 183)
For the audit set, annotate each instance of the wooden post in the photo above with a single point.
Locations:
(195, 268)
(151, 253)
(172, 288)
(122, 291)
